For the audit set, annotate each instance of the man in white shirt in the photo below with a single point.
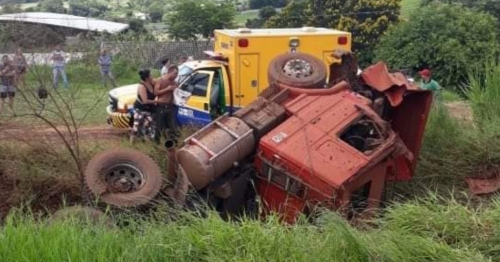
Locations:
(165, 63)
(58, 65)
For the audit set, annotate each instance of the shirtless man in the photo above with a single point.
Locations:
(165, 112)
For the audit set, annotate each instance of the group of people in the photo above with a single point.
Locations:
(154, 107)
(12, 72)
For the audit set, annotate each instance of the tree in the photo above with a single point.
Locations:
(367, 20)
(156, 16)
(449, 39)
(265, 13)
(10, 8)
(90, 8)
(489, 6)
(257, 4)
(156, 12)
(293, 15)
(53, 6)
(137, 26)
(191, 19)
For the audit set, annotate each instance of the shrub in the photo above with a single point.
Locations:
(450, 39)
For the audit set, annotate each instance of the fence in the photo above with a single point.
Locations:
(150, 54)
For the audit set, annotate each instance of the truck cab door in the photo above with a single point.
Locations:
(196, 110)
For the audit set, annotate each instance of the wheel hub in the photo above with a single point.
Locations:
(124, 178)
(298, 68)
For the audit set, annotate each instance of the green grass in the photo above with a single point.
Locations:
(86, 96)
(453, 150)
(242, 17)
(28, 5)
(211, 239)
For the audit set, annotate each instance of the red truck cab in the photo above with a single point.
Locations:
(335, 151)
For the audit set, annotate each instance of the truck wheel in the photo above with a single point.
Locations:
(297, 70)
(123, 178)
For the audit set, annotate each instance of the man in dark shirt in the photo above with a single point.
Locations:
(7, 80)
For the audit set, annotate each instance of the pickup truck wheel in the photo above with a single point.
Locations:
(297, 70)
(123, 178)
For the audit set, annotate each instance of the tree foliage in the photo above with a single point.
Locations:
(367, 20)
(265, 13)
(293, 15)
(53, 6)
(10, 8)
(258, 4)
(490, 6)
(449, 39)
(191, 19)
(156, 16)
(88, 8)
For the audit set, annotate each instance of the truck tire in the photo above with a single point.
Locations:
(123, 178)
(297, 70)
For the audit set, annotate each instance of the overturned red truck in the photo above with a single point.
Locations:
(290, 151)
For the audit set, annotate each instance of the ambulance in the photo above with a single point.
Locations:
(243, 63)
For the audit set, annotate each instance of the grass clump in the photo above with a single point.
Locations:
(450, 222)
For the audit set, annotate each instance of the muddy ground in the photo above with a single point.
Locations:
(48, 193)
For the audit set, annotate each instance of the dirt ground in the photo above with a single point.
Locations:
(460, 110)
(20, 133)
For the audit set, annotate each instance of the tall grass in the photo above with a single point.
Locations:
(483, 92)
(453, 149)
(211, 239)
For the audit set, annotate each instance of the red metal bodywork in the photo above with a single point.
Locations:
(407, 119)
(306, 150)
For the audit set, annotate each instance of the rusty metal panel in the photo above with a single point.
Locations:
(393, 85)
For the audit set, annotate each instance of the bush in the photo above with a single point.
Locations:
(449, 39)
(156, 16)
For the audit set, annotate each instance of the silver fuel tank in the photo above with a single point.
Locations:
(213, 150)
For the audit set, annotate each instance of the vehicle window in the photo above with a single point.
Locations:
(184, 71)
(363, 135)
(197, 85)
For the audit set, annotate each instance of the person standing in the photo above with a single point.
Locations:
(58, 66)
(165, 62)
(143, 106)
(21, 67)
(165, 111)
(428, 83)
(105, 64)
(7, 83)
